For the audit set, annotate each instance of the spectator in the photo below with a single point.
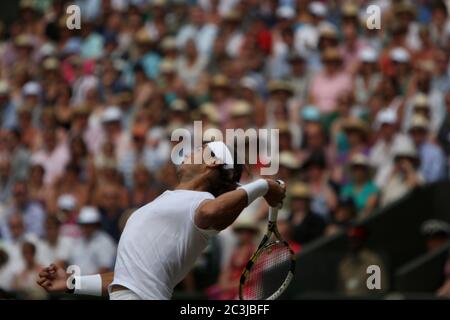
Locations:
(352, 272)
(95, 251)
(343, 216)
(32, 212)
(25, 281)
(53, 156)
(67, 214)
(55, 248)
(436, 233)
(307, 225)
(361, 188)
(404, 175)
(432, 159)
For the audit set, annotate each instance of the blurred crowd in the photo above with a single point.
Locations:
(86, 118)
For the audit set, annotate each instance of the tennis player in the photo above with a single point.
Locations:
(162, 240)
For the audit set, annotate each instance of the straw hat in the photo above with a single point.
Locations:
(299, 190)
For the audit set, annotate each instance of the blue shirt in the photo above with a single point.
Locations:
(432, 162)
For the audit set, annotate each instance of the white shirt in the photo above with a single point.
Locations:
(92, 254)
(48, 253)
(160, 244)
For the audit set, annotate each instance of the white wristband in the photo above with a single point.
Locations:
(255, 189)
(88, 285)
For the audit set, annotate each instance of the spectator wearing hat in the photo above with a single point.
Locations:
(404, 175)
(386, 140)
(67, 213)
(355, 141)
(361, 189)
(31, 97)
(436, 233)
(400, 60)
(95, 251)
(307, 225)
(343, 217)
(323, 196)
(367, 77)
(352, 269)
(329, 82)
(299, 76)
(289, 166)
(307, 37)
(428, 101)
(220, 89)
(241, 115)
(432, 158)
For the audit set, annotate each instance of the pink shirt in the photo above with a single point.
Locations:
(54, 162)
(325, 90)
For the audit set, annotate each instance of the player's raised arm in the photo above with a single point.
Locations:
(54, 279)
(221, 212)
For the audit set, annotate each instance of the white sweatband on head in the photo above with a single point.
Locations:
(89, 285)
(255, 189)
(222, 152)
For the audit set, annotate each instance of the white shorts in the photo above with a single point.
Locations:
(123, 295)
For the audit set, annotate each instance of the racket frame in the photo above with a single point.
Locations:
(266, 242)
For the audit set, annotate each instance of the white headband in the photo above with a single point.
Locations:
(222, 153)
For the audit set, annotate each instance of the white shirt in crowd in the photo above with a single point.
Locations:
(93, 254)
(160, 244)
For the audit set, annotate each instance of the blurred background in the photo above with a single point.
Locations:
(363, 114)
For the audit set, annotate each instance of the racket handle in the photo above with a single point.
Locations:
(273, 214)
(273, 211)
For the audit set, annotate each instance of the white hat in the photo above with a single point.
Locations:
(368, 55)
(405, 149)
(399, 54)
(31, 88)
(387, 116)
(112, 113)
(285, 12)
(222, 152)
(249, 83)
(89, 215)
(67, 202)
(4, 87)
(318, 8)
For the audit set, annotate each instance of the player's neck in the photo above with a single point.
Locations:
(198, 183)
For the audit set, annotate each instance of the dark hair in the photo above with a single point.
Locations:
(226, 179)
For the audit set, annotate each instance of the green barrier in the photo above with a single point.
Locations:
(394, 233)
(423, 274)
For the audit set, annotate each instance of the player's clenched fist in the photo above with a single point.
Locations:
(53, 279)
(276, 193)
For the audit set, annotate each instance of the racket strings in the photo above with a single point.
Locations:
(261, 281)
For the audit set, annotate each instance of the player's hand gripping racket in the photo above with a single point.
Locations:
(271, 268)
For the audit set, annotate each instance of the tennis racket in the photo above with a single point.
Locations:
(271, 268)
